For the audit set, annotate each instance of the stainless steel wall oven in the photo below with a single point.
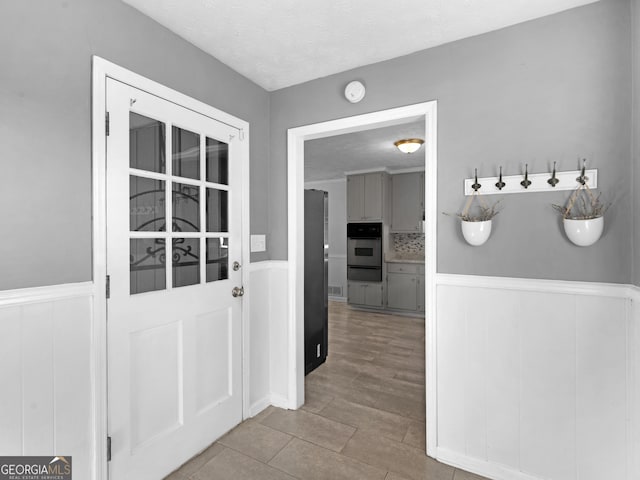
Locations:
(364, 252)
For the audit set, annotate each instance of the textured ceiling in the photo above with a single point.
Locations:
(328, 158)
(278, 43)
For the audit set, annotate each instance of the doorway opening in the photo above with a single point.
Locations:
(426, 112)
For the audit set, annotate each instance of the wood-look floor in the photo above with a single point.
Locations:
(364, 416)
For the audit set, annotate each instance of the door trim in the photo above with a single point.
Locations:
(295, 190)
(103, 69)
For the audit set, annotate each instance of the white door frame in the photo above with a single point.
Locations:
(103, 69)
(295, 187)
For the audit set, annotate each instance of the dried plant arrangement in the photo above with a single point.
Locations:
(483, 213)
(582, 205)
(476, 226)
(583, 216)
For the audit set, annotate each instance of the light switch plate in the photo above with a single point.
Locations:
(258, 243)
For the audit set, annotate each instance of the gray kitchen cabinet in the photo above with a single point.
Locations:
(355, 198)
(405, 286)
(373, 196)
(365, 294)
(402, 293)
(420, 286)
(407, 202)
(366, 197)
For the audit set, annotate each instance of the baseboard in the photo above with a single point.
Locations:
(338, 299)
(266, 401)
(403, 313)
(494, 471)
(259, 406)
(280, 402)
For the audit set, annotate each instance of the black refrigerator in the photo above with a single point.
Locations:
(316, 278)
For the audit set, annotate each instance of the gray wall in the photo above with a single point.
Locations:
(337, 191)
(551, 89)
(45, 93)
(635, 19)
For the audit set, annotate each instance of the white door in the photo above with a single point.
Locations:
(174, 328)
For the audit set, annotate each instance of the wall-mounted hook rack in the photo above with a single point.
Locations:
(582, 179)
(526, 182)
(553, 181)
(565, 181)
(500, 184)
(476, 186)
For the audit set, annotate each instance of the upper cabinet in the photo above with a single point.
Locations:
(407, 202)
(366, 196)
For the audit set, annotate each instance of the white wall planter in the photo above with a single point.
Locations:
(584, 232)
(476, 233)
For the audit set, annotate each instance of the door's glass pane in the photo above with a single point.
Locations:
(186, 208)
(216, 210)
(186, 153)
(146, 204)
(147, 269)
(217, 161)
(146, 143)
(217, 259)
(186, 261)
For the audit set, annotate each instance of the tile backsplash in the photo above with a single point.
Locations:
(408, 242)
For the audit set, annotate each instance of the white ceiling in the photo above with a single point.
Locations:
(330, 157)
(278, 43)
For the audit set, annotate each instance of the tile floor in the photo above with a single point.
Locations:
(364, 416)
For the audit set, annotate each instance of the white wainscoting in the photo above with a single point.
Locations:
(47, 368)
(634, 351)
(257, 293)
(46, 362)
(537, 379)
(269, 358)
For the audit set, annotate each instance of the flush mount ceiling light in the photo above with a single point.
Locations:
(409, 145)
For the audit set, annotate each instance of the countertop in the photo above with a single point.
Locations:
(399, 257)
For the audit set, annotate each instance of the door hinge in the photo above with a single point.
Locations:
(106, 123)
(108, 449)
(108, 286)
